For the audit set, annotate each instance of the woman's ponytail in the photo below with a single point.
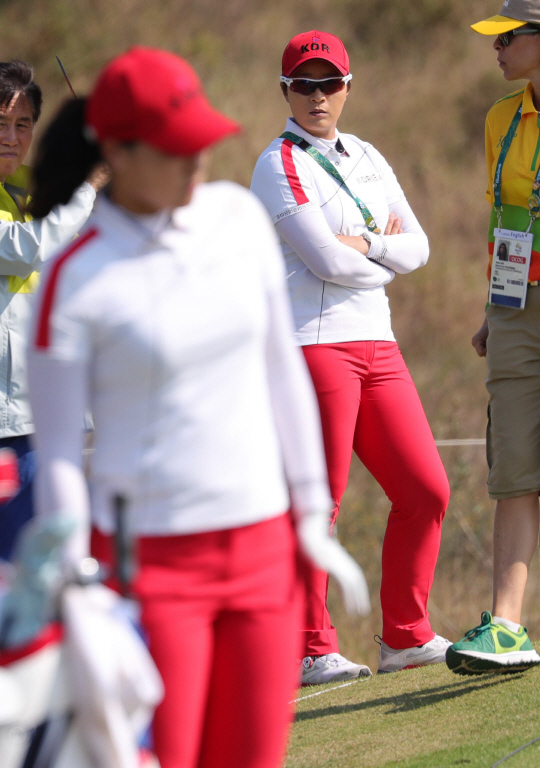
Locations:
(65, 156)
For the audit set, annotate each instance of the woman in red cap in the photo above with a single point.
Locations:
(168, 319)
(346, 229)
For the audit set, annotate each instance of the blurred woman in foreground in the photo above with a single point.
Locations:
(168, 318)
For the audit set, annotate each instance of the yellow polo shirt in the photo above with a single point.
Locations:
(519, 169)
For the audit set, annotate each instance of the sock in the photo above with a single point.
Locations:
(506, 623)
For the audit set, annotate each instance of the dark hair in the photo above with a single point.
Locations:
(64, 158)
(17, 77)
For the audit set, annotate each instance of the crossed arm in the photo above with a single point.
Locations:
(349, 260)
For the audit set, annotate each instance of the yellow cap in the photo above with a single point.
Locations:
(497, 25)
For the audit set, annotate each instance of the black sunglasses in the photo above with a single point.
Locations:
(506, 37)
(306, 86)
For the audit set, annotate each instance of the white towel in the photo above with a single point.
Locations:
(115, 684)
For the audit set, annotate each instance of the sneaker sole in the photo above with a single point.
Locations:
(466, 664)
(339, 677)
(411, 666)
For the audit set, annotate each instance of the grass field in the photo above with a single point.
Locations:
(419, 718)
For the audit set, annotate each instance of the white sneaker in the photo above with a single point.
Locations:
(392, 659)
(331, 668)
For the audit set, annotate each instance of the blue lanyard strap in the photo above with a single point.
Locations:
(321, 160)
(534, 199)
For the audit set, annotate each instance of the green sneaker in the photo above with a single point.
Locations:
(491, 648)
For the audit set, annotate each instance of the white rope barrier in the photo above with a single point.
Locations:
(465, 441)
(329, 690)
(519, 749)
(440, 443)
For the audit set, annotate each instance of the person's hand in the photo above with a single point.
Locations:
(362, 246)
(394, 225)
(479, 340)
(99, 176)
(328, 555)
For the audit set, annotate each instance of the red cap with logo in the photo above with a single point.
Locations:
(155, 97)
(314, 45)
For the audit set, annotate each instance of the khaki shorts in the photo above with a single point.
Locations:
(513, 384)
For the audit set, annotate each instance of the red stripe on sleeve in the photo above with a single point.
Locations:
(290, 172)
(49, 292)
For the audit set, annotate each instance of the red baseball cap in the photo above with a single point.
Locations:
(155, 97)
(314, 45)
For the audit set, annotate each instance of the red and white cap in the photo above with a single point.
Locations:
(155, 97)
(314, 45)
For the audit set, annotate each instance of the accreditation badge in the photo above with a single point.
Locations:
(510, 268)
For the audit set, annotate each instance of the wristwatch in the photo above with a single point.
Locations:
(377, 250)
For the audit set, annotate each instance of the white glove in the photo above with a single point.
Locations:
(326, 553)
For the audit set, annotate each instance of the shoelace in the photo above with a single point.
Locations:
(478, 630)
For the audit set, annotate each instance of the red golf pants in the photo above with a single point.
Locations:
(222, 612)
(369, 404)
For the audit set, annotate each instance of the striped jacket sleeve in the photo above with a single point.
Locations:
(281, 180)
(59, 329)
(59, 360)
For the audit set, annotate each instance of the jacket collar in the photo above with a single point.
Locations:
(131, 233)
(319, 145)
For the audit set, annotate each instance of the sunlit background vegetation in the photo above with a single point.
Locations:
(423, 82)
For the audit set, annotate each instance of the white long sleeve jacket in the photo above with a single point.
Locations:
(337, 293)
(180, 343)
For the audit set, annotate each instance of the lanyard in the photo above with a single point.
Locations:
(371, 224)
(534, 199)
